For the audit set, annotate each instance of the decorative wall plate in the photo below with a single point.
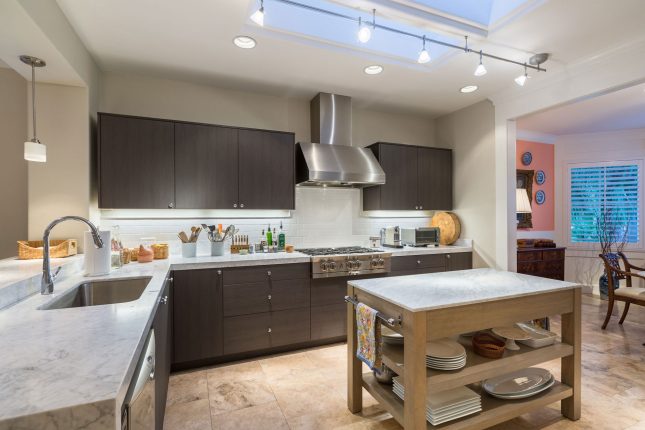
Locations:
(527, 158)
(540, 177)
(540, 197)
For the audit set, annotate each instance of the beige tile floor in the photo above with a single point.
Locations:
(307, 389)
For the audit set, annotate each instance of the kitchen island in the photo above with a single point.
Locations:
(433, 306)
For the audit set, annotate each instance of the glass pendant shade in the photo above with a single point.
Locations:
(35, 151)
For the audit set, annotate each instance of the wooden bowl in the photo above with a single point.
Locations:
(487, 345)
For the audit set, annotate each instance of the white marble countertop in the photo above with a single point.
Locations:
(54, 361)
(425, 292)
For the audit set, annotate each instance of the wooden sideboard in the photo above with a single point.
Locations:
(544, 262)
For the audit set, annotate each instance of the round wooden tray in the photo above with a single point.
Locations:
(449, 227)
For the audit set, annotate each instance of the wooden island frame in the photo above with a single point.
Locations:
(422, 326)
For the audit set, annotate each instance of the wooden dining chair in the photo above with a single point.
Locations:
(630, 294)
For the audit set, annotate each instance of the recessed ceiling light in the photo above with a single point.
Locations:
(469, 88)
(374, 69)
(244, 42)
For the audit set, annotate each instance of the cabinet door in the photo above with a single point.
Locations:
(247, 333)
(400, 165)
(163, 349)
(435, 178)
(244, 299)
(267, 175)
(459, 261)
(419, 262)
(205, 166)
(290, 327)
(136, 163)
(197, 314)
(328, 321)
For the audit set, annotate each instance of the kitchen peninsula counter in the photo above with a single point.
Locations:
(438, 305)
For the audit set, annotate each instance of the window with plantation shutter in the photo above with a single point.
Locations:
(609, 192)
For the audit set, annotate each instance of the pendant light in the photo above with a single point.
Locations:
(424, 55)
(258, 15)
(34, 150)
(364, 32)
(481, 69)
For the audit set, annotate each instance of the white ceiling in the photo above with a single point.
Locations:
(620, 110)
(191, 40)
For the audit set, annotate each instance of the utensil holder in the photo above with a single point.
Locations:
(217, 249)
(189, 250)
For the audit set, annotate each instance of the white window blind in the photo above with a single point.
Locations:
(610, 189)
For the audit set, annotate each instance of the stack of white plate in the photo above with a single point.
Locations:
(447, 405)
(390, 336)
(520, 384)
(445, 354)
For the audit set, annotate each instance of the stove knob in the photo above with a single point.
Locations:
(323, 266)
(374, 263)
(357, 264)
(332, 265)
(381, 262)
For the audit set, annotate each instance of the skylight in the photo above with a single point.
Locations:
(483, 12)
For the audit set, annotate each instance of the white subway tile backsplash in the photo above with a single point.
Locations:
(324, 217)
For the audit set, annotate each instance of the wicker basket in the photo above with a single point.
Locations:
(33, 249)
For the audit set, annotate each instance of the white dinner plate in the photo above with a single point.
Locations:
(445, 349)
(529, 393)
(517, 383)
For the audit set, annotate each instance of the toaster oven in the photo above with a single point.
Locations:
(421, 236)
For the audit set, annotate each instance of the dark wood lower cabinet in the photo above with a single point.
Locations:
(459, 261)
(197, 315)
(544, 262)
(329, 321)
(290, 327)
(163, 353)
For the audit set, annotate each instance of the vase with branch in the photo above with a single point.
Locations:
(612, 229)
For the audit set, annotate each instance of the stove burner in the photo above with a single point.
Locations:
(340, 250)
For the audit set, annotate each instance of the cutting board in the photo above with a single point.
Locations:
(449, 226)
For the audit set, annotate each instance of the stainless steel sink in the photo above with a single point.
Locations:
(95, 293)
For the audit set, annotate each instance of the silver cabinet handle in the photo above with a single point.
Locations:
(416, 207)
(164, 300)
(447, 255)
(269, 330)
(234, 205)
(420, 207)
(219, 272)
(242, 205)
(268, 273)
(171, 205)
(170, 279)
(418, 261)
(269, 296)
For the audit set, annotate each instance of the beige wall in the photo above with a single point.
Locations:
(470, 132)
(136, 95)
(13, 167)
(61, 186)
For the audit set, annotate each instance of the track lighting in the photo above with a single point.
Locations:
(521, 80)
(364, 32)
(424, 55)
(481, 69)
(258, 15)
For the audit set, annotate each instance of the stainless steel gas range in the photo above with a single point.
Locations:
(347, 261)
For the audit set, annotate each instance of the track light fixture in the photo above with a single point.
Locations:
(258, 15)
(424, 55)
(365, 30)
(481, 69)
(521, 80)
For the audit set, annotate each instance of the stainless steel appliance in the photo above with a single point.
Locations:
(391, 237)
(332, 160)
(420, 236)
(347, 261)
(139, 407)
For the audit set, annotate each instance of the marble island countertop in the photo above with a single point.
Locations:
(425, 292)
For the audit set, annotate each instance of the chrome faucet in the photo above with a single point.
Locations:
(47, 283)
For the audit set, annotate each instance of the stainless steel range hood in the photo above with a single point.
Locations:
(331, 160)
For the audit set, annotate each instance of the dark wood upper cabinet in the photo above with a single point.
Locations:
(267, 170)
(147, 163)
(136, 163)
(435, 178)
(416, 178)
(206, 166)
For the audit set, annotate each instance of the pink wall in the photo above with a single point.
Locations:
(543, 159)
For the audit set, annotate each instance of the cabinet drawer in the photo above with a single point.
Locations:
(246, 333)
(290, 327)
(243, 299)
(328, 321)
(263, 273)
(528, 268)
(413, 262)
(529, 255)
(557, 254)
(328, 291)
